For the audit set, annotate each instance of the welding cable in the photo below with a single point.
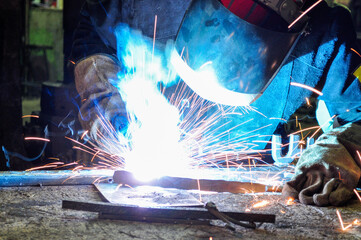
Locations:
(212, 208)
(8, 155)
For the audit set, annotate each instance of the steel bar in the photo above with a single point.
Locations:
(124, 177)
(162, 213)
(52, 177)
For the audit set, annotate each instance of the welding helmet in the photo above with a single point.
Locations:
(229, 60)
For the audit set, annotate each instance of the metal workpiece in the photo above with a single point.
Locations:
(214, 185)
(53, 177)
(126, 212)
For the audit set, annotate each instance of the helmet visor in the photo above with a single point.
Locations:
(225, 59)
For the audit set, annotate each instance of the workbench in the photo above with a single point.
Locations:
(35, 212)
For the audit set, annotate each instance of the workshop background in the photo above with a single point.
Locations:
(35, 40)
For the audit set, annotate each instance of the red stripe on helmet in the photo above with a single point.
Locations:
(242, 9)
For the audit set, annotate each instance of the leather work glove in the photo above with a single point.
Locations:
(101, 101)
(328, 170)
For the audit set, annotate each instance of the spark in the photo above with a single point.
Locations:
(154, 34)
(72, 62)
(66, 165)
(98, 180)
(199, 190)
(121, 185)
(306, 87)
(356, 52)
(357, 194)
(290, 201)
(38, 139)
(320, 128)
(230, 36)
(261, 204)
(304, 13)
(339, 176)
(281, 119)
(308, 102)
(84, 134)
(205, 64)
(305, 129)
(49, 165)
(341, 221)
(30, 116)
(69, 178)
(94, 156)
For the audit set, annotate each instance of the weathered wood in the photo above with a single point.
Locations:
(163, 213)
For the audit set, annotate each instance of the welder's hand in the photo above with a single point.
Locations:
(329, 170)
(102, 105)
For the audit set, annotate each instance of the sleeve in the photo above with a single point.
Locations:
(86, 39)
(342, 89)
(95, 68)
(329, 170)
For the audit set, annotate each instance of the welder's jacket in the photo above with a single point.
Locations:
(324, 58)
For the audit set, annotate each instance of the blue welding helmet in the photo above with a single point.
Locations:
(228, 60)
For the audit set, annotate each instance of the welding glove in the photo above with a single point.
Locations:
(102, 107)
(329, 170)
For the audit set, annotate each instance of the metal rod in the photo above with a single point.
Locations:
(163, 213)
(52, 177)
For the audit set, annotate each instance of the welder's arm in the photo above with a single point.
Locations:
(87, 40)
(102, 107)
(329, 171)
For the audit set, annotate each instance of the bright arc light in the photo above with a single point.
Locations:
(206, 85)
(153, 134)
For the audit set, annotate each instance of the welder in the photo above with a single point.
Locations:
(317, 49)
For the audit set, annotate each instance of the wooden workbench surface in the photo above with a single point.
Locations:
(36, 213)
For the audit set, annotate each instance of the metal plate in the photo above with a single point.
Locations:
(147, 196)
